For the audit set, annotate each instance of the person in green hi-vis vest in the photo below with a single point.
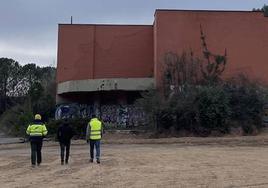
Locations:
(93, 137)
(37, 131)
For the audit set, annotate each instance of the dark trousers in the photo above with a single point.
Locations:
(63, 147)
(36, 147)
(94, 144)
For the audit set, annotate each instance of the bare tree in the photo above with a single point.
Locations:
(214, 64)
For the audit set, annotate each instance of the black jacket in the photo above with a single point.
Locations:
(65, 133)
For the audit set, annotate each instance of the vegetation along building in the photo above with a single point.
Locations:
(103, 68)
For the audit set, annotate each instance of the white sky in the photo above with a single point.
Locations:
(28, 28)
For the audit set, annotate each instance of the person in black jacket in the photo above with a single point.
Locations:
(64, 136)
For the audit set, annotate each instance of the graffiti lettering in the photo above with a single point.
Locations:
(112, 115)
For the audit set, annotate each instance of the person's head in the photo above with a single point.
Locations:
(93, 115)
(37, 117)
(65, 122)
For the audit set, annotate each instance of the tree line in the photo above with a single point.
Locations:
(24, 91)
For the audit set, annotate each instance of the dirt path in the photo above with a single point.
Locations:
(140, 165)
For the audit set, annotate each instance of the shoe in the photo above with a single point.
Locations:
(98, 161)
(66, 162)
(33, 166)
(38, 164)
(91, 160)
(62, 163)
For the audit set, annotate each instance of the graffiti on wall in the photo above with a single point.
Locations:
(111, 115)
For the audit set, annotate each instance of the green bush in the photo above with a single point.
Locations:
(152, 104)
(164, 119)
(200, 109)
(185, 109)
(204, 109)
(15, 121)
(213, 109)
(247, 100)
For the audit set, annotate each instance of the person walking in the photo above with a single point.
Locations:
(37, 131)
(93, 136)
(64, 136)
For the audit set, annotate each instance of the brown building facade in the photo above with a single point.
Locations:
(111, 64)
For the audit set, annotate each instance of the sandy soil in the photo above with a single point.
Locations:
(183, 162)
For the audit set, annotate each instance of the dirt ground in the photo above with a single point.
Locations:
(174, 162)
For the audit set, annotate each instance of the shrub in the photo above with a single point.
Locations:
(152, 104)
(213, 108)
(185, 109)
(15, 120)
(247, 100)
(164, 119)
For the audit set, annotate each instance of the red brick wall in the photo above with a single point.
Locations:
(243, 34)
(124, 51)
(109, 51)
(104, 51)
(75, 52)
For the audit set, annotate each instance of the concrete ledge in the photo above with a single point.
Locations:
(127, 84)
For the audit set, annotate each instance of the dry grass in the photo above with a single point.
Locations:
(175, 162)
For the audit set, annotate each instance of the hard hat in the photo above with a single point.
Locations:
(37, 117)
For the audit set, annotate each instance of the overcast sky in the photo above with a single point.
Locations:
(28, 28)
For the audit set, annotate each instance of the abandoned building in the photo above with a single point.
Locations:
(103, 68)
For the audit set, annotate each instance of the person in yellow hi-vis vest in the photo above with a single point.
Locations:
(37, 130)
(93, 136)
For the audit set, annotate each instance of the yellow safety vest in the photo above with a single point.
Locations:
(37, 130)
(95, 129)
